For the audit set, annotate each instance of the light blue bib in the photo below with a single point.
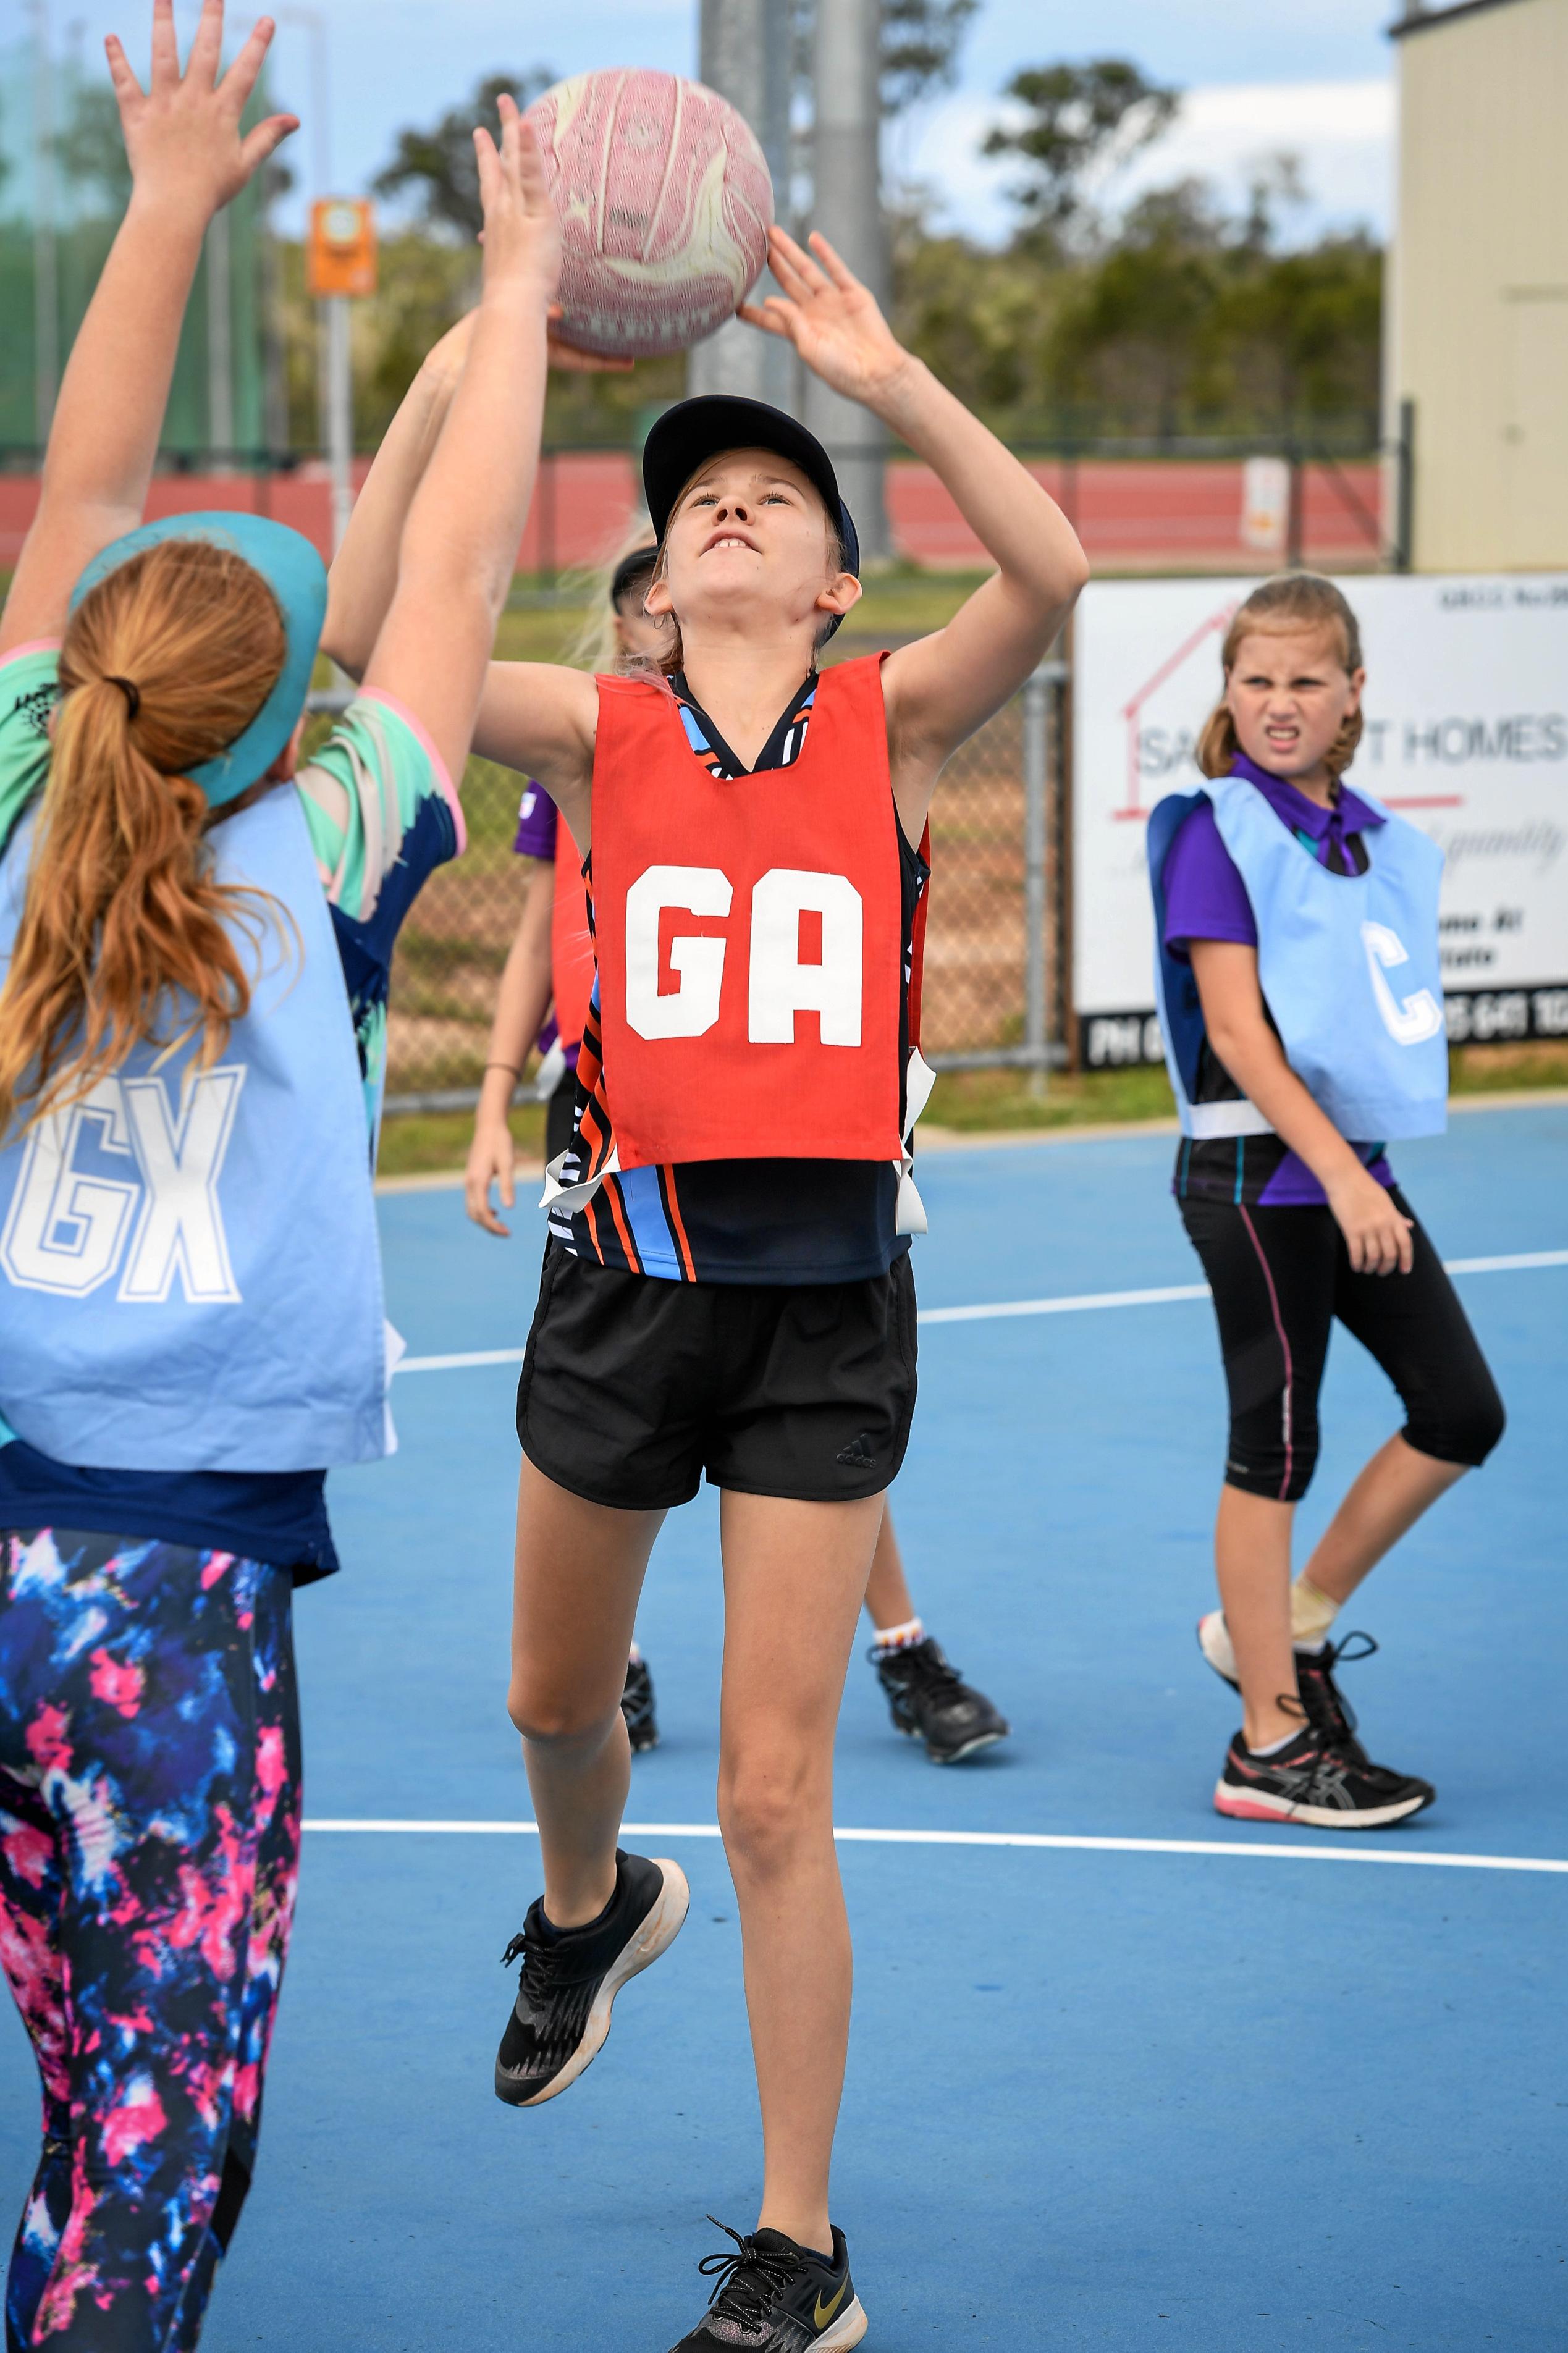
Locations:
(190, 1278)
(1348, 966)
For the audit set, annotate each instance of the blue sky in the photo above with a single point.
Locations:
(1261, 75)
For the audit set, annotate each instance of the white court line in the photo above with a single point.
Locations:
(1069, 1305)
(1002, 1837)
(1072, 1304)
(456, 1364)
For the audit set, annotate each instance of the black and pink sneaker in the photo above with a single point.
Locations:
(1317, 1778)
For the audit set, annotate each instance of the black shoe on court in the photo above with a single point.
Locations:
(1327, 1708)
(773, 2297)
(1318, 1780)
(571, 1976)
(637, 1706)
(929, 1701)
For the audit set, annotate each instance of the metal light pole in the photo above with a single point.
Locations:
(745, 52)
(847, 208)
(45, 253)
(331, 362)
(219, 340)
(339, 415)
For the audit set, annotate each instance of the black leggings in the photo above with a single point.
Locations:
(1279, 1278)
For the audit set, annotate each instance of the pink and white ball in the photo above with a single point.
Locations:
(665, 202)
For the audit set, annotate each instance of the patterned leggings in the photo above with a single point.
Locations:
(149, 1847)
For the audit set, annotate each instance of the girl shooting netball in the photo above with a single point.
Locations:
(544, 998)
(195, 936)
(726, 1288)
(1302, 1003)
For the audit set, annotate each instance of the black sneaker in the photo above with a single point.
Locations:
(561, 2015)
(637, 1706)
(1317, 1779)
(1324, 1702)
(773, 2297)
(930, 1701)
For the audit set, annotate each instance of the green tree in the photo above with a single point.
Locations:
(1084, 122)
(91, 148)
(920, 45)
(437, 166)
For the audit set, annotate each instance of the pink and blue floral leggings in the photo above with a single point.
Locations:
(149, 1849)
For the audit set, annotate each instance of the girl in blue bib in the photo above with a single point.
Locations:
(195, 933)
(1301, 1000)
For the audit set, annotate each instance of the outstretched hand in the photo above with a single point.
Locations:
(830, 318)
(522, 237)
(182, 133)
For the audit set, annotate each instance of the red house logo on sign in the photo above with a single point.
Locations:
(1132, 712)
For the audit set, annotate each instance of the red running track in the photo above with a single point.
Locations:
(1133, 515)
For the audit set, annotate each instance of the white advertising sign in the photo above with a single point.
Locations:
(1466, 735)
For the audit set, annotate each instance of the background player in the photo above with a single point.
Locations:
(1283, 898)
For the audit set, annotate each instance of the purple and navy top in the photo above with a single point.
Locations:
(1205, 899)
(537, 839)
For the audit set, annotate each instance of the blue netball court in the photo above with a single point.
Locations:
(1123, 2074)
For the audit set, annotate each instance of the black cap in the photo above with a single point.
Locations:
(691, 432)
(631, 567)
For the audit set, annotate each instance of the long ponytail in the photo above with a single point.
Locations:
(165, 664)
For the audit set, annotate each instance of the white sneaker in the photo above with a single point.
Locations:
(1214, 1641)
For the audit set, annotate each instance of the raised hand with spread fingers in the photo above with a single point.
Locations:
(833, 321)
(940, 688)
(183, 136)
(188, 157)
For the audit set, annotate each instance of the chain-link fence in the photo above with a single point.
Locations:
(995, 942)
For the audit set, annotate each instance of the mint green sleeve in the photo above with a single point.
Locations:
(29, 689)
(369, 785)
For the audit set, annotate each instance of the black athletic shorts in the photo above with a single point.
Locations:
(632, 1386)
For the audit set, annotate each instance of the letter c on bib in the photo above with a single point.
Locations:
(1409, 1020)
(781, 986)
(692, 1009)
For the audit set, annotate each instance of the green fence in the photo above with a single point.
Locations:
(63, 185)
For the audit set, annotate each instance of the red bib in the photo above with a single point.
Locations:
(571, 940)
(749, 935)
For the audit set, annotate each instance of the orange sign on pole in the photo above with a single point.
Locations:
(340, 251)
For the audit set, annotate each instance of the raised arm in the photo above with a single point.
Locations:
(364, 569)
(363, 577)
(535, 717)
(460, 543)
(187, 159)
(941, 689)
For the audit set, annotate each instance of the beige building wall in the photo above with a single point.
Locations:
(1479, 299)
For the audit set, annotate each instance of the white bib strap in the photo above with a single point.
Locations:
(1207, 1122)
(909, 1211)
(571, 1198)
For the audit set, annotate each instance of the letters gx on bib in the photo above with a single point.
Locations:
(748, 933)
(190, 1278)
